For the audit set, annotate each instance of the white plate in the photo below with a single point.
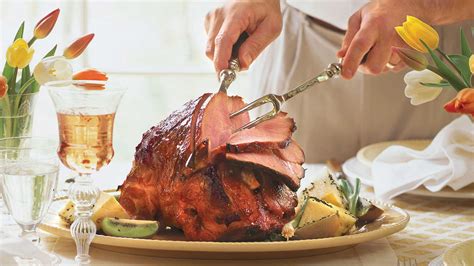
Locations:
(460, 254)
(360, 167)
(368, 154)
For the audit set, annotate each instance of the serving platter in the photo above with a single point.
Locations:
(172, 243)
(360, 167)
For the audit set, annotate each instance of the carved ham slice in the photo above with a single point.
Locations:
(291, 173)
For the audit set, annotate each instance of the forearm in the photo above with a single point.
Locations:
(441, 12)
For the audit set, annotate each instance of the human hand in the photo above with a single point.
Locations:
(260, 19)
(371, 31)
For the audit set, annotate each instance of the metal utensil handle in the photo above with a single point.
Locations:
(228, 75)
(333, 70)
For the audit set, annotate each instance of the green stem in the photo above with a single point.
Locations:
(20, 92)
(434, 70)
(452, 64)
(16, 105)
(12, 84)
(6, 117)
(441, 74)
(30, 43)
(6, 105)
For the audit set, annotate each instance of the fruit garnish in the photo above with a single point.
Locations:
(106, 206)
(113, 226)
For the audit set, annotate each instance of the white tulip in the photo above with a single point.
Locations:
(418, 93)
(53, 69)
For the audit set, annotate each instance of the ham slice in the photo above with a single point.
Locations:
(274, 133)
(291, 173)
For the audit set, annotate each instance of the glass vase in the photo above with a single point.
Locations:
(16, 114)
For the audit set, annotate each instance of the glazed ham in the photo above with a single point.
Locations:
(194, 172)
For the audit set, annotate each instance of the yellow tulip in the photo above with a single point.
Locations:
(19, 54)
(414, 30)
(471, 63)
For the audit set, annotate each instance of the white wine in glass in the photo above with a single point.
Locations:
(86, 122)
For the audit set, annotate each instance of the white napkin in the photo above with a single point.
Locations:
(447, 161)
(13, 247)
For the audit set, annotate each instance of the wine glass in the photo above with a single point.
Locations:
(29, 170)
(85, 112)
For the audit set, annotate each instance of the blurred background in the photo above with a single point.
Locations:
(155, 48)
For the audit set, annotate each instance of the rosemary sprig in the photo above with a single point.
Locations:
(351, 195)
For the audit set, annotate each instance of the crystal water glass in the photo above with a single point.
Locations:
(29, 170)
(86, 112)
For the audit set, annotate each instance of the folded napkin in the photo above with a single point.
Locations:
(13, 248)
(447, 161)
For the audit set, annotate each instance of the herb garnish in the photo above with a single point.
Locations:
(351, 195)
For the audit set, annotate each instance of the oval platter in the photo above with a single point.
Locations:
(173, 244)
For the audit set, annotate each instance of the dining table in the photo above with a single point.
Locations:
(435, 225)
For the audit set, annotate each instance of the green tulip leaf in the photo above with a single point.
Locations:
(19, 33)
(7, 70)
(465, 48)
(462, 63)
(35, 87)
(436, 85)
(453, 64)
(51, 52)
(444, 71)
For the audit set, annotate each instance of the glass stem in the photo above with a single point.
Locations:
(84, 195)
(29, 233)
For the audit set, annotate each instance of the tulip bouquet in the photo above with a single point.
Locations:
(19, 86)
(426, 82)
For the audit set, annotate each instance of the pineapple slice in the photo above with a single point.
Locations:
(106, 206)
(333, 199)
(345, 218)
(316, 211)
(323, 186)
(325, 227)
(67, 212)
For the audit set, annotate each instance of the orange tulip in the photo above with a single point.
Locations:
(3, 86)
(45, 25)
(78, 46)
(463, 103)
(90, 74)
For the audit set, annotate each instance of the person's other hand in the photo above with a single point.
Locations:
(371, 31)
(261, 19)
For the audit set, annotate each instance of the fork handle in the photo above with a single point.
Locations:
(228, 75)
(234, 62)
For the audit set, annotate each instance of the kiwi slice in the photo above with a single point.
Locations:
(129, 228)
